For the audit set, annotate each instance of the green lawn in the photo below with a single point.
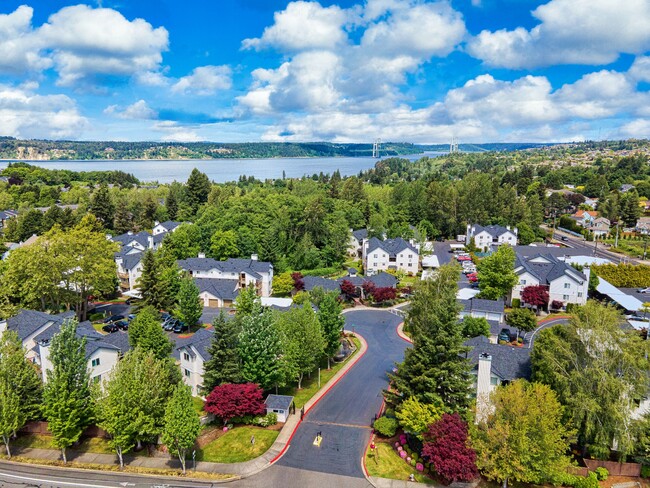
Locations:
(310, 385)
(198, 405)
(235, 445)
(385, 463)
(629, 247)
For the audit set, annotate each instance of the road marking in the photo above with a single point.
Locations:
(45, 480)
(317, 422)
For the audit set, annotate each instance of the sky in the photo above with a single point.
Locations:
(342, 71)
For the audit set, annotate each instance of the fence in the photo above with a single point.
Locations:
(614, 468)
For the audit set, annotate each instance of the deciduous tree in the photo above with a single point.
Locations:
(524, 437)
(496, 273)
(182, 424)
(67, 399)
(230, 400)
(522, 319)
(475, 326)
(447, 448)
(145, 332)
(537, 296)
(332, 322)
(415, 417)
(223, 245)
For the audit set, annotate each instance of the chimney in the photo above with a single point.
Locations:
(483, 387)
(150, 241)
(155, 223)
(254, 257)
(201, 255)
(130, 233)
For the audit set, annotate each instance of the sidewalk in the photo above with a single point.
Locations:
(240, 470)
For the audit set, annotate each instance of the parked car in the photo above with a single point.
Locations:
(130, 317)
(122, 324)
(644, 290)
(113, 318)
(504, 335)
(180, 327)
(164, 316)
(170, 324)
(110, 328)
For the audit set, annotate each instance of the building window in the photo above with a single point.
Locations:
(188, 373)
(494, 380)
(375, 256)
(374, 265)
(522, 282)
(567, 285)
(95, 362)
(97, 378)
(565, 297)
(579, 294)
(410, 265)
(186, 356)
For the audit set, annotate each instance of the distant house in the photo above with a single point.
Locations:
(245, 271)
(164, 227)
(585, 218)
(6, 215)
(390, 254)
(355, 243)
(486, 236)
(643, 225)
(192, 354)
(494, 365)
(565, 283)
(129, 267)
(600, 227)
(626, 187)
(591, 202)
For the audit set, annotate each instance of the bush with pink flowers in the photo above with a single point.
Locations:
(419, 467)
(402, 454)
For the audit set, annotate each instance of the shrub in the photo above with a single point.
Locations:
(268, 420)
(601, 473)
(502, 342)
(645, 471)
(419, 467)
(245, 419)
(409, 459)
(413, 463)
(516, 303)
(228, 401)
(386, 426)
(402, 454)
(589, 482)
(95, 316)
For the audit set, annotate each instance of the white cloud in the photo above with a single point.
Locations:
(205, 80)
(152, 78)
(24, 114)
(640, 69)
(638, 128)
(303, 25)
(137, 111)
(19, 45)
(591, 32)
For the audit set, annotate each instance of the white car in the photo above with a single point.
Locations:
(644, 290)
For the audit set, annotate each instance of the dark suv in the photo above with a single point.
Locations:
(180, 327)
(504, 335)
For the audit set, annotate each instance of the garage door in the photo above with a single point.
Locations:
(213, 303)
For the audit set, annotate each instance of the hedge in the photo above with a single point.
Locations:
(624, 275)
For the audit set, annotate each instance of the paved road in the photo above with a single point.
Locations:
(343, 416)
(591, 249)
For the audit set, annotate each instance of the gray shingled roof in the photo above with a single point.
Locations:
(201, 340)
(141, 238)
(482, 305)
(232, 265)
(494, 230)
(170, 225)
(130, 261)
(546, 272)
(508, 363)
(360, 234)
(27, 322)
(118, 339)
(278, 402)
(391, 246)
(220, 288)
(84, 329)
(326, 284)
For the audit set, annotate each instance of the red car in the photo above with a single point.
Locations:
(472, 277)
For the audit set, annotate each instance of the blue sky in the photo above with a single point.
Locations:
(349, 71)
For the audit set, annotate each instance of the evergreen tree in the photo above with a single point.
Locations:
(170, 278)
(197, 189)
(123, 218)
(149, 283)
(181, 423)
(102, 207)
(332, 321)
(260, 349)
(67, 399)
(171, 204)
(435, 367)
(189, 308)
(145, 332)
(223, 365)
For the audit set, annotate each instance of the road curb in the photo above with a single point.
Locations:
(401, 334)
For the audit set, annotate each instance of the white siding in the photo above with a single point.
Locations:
(191, 365)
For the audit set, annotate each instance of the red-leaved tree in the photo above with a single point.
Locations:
(535, 295)
(235, 400)
(446, 447)
(384, 294)
(348, 290)
(368, 288)
(298, 282)
(556, 304)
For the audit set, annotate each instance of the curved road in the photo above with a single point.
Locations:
(343, 416)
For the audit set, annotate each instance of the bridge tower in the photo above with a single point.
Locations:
(453, 146)
(376, 147)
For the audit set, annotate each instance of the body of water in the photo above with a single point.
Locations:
(222, 170)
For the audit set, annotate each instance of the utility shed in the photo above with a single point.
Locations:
(279, 405)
